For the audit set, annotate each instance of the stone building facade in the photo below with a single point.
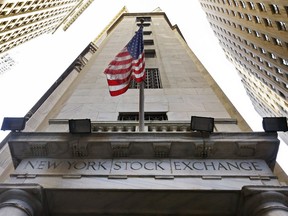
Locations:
(170, 168)
(253, 35)
(21, 21)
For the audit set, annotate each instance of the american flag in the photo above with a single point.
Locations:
(127, 65)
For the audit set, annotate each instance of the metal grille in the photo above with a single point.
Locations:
(152, 80)
(134, 116)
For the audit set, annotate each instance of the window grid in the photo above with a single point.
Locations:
(152, 80)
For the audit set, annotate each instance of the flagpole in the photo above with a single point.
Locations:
(141, 106)
(141, 99)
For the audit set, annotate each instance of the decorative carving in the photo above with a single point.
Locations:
(246, 149)
(161, 150)
(78, 149)
(120, 149)
(204, 149)
(39, 149)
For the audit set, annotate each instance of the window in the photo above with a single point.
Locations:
(248, 17)
(152, 80)
(257, 34)
(268, 65)
(251, 5)
(285, 62)
(150, 53)
(278, 70)
(9, 5)
(277, 41)
(148, 116)
(146, 19)
(148, 42)
(274, 9)
(144, 24)
(266, 37)
(267, 22)
(286, 9)
(261, 6)
(281, 25)
(235, 3)
(273, 56)
(282, 95)
(263, 50)
(241, 15)
(260, 59)
(147, 32)
(257, 19)
(242, 3)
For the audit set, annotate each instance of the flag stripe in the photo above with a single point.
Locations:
(120, 91)
(128, 64)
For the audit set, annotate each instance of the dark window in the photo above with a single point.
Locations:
(146, 19)
(257, 19)
(282, 95)
(148, 42)
(261, 6)
(148, 116)
(277, 41)
(267, 22)
(147, 32)
(286, 9)
(274, 9)
(251, 5)
(152, 80)
(150, 53)
(281, 25)
(144, 24)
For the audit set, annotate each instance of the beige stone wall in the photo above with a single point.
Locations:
(187, 90)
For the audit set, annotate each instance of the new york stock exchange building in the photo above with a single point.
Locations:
(82, 153)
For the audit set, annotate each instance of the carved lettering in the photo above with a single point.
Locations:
(53, 164)
(145, 167)
(101, 165)
(197, 167)
(256, 166)
(231, 166)
(245, 166)
(221, 166)
(70, 164)
(148, 167)
(29, 163)
(208, 165)
(187, 166)
(158, 165)
(117, 166)
(177, 165)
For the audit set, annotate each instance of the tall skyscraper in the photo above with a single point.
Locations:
(81, 152)
(253, 35)
(21, 21)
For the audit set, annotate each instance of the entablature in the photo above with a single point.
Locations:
(145, 145)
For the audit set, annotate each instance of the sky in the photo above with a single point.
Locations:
(41, 61)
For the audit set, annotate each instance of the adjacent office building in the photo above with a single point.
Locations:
(81, 152)
(20, 21)
(253, 35)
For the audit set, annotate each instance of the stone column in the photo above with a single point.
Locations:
(266, 203)
(17, 202)
(15, 208)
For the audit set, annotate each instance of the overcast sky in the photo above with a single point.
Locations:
(41, 61)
